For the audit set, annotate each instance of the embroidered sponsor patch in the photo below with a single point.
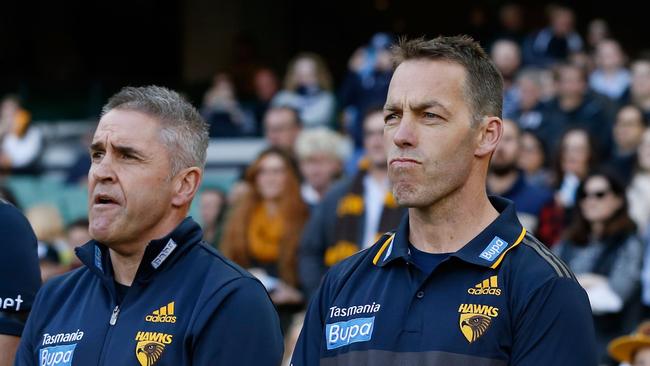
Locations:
(494, 249)
(57, 355)
(343, 333)
(164, 253)
(98, 258)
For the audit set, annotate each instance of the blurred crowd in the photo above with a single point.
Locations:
(575, 159)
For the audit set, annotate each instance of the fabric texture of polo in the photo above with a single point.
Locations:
(502, 299)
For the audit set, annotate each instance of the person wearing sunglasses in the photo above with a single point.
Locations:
(602, 248)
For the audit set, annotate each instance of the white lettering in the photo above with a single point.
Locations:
(336, 311)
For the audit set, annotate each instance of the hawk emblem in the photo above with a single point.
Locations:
(148, 352)
(474, 326)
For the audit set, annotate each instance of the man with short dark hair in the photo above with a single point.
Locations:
(150, 291)
(460, 282)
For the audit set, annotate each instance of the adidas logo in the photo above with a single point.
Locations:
(488, 286)
(163, 315)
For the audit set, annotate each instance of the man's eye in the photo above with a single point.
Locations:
(96, 155)
(430, 115)
(390, 117)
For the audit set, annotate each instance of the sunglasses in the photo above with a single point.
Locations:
(596, 194)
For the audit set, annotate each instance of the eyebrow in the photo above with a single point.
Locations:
(419, 106)
(122, 149)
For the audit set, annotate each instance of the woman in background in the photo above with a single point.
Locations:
(602, 248)
(264, 227)
(308, 89)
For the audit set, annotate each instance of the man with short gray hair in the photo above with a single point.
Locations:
(150, 291)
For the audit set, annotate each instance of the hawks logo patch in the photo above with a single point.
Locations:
(150, 347)
(475, 320)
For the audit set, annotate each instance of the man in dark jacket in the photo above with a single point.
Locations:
(150, 291)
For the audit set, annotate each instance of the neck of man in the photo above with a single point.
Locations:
(501, 183)
(126, 257)
(450, 223)
(125, 265)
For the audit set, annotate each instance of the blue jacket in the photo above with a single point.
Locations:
(502, 299)
(20, 276)
(187, 306)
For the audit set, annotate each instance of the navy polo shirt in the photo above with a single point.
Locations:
(20, 276)
(502, 299)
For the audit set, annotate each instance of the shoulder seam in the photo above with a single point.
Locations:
(558, 266)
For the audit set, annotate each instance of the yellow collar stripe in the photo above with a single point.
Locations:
(519, 239)
(383, 247)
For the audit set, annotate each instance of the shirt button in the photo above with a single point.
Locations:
(420, 294)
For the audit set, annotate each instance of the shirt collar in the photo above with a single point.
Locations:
(487, 249)
(159, 253)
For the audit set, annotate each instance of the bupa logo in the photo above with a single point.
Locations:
(343, 333)
(494, 249)
(57, 356)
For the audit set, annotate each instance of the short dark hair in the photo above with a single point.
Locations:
(483, 85)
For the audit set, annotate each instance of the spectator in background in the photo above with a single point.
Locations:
(506, 56)
(628, 132)
(353, 213)
(575, 105)
(264, 228)
(532, 160)
(308, 89)
(52, 248)
(602, 248)
(640, 86)
(597, 31)
(638, 193)
(20, 143)
(531, 112)
(223, 112)
(20, 278)
(575, 158)
(511, 23)
(610, 78)
(555, 42)
(76, 235)
(213, 207)
(265, 86)
(281, 127)
(321, 153)
(506, 180)
(633, 349)
(366, 84)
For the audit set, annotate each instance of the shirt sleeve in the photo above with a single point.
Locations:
(555, 327)
(243, 329)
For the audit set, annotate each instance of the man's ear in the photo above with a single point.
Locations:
(490, 132)
(186, 183)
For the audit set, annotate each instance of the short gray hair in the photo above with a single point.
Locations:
(182, 127)
(483, 85)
